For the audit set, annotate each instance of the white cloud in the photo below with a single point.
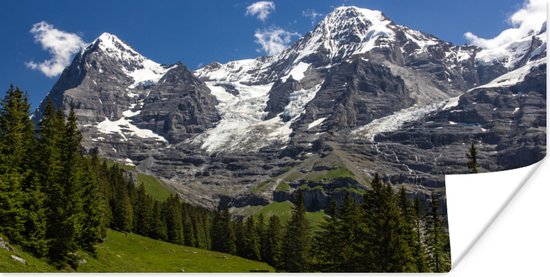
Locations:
(274, 40)
(260, 9)
(526, 20)
(312, 15)
(61, 45)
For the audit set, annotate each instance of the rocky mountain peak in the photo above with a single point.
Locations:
(108, 52)
(354, 19)
(347, 94)
(344, 32)
(112, 44)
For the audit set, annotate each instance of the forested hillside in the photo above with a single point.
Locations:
(57, 199)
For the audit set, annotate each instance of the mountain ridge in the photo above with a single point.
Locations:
(347, 94)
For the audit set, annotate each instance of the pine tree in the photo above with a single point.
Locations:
(240, 245)
(19, 191)
(272, 249)
(200, 233)
(472, 159)
(188, 229)
(327, 244)
(349, 231)
(296, 243)
(438, 239)
(35, 220)
(250, 240)
(386, 247)
(173, 219)
(159, 226)
(409, 231)
(222, 233)
(418, 246)
(12, 213)
(261, 233)
(16, 133)
(123, 210)
(93, 208)
(52, 173)
(65, 242)
(143, 212)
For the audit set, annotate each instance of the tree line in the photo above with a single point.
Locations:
(387, 233)
(57, 199)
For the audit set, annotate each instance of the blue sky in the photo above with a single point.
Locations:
(200, 32)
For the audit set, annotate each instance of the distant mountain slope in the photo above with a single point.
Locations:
(359, 92)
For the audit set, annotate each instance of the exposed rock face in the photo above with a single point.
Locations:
(358, 92)
(179, 106)
(278, 97)
(354, 94)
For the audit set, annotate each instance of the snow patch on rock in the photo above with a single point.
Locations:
(394, 121)
(125, 129)
(316, 123)
(513, 77)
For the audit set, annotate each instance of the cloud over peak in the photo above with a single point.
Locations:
(60, 44)
(525, 21)
(312, 15)
(260, 9)
(274, 40)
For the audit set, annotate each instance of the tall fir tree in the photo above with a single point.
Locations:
(261, 233)
(297, 242)
(409, 230)
(123, 209)
(16, 133)
(19, 190)
(200, 233)
(159, 226)
(51, 170)
(70, 225)
(386, 247)
(349, 232)
(93, 208)
(143, 212)
(188, 229)
(12, 213)
(222, 234)
(173, 218)
(418, 246)
(438, 239)
(239, 230)
(472, 159)
(272, 247)
(327, 246)
(251, 240)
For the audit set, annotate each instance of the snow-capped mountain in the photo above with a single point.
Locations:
(358, 92)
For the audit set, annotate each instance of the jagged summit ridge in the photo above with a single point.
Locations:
(345, 94)
(516, 54)
(346, 32)
(141, 70)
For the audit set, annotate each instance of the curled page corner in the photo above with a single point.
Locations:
(474, 201)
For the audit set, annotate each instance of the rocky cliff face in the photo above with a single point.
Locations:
(359, 94)
(178, 107)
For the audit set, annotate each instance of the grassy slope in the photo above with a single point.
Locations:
(134, 253)
(7, 264)
(154, 187)
(284, 211)
(111, 163)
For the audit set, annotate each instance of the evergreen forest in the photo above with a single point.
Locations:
(56, 198)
